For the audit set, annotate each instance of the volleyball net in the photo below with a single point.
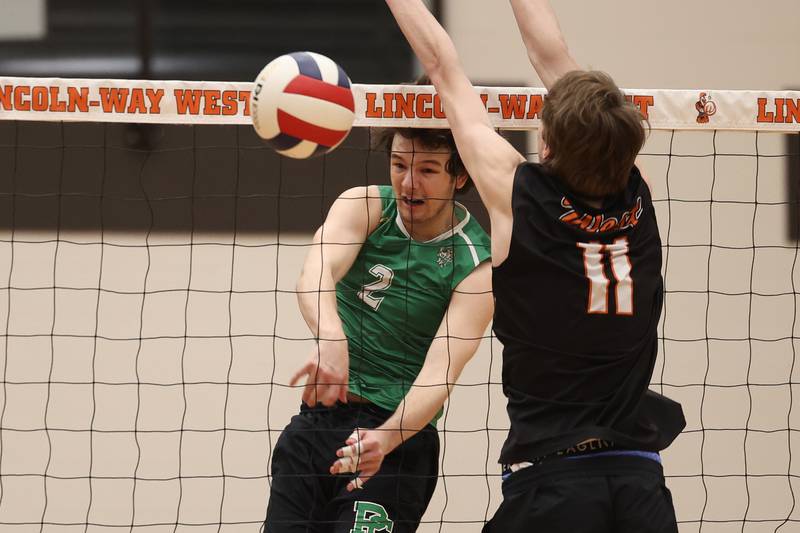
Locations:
(149, 249)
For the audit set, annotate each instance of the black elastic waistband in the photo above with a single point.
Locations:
(347, 410)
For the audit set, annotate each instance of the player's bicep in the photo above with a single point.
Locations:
(491, 162)
(471, 304)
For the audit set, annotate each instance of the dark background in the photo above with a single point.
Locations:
(228, 40)
(190, 178)
(210, 179)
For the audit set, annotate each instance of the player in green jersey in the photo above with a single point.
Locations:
(397, 290)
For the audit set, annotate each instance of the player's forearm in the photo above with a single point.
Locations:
(430, 390)
(316, 297)
(541, 33)
(427, 38)
(415, 412)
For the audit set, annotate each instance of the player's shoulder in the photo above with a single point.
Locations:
(638, 181)
(372, 196)
(363, 201)
(362, 192)
(534, 181)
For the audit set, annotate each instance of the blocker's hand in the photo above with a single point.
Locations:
(326, 372)
(362, 456)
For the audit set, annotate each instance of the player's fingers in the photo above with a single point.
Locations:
(305, 370)
(346, 464)
(351, 450)
(310, 395)
(347, 454)
(354, 464)
(356, 436)
(357, 483)
(327, 395)
(366, 465)
(351, 459)
(343, 393)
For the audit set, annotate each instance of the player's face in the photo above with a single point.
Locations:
(423, 188)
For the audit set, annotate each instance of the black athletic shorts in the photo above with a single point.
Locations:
(304, 496)
(604, 494)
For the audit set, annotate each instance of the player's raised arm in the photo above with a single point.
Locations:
(547, 49)
(458, 337)
(489, 158)
(352, 217)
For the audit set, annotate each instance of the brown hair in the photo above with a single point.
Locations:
(592, 132)
(432, 139)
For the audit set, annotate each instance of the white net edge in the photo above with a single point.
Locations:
(228, 103)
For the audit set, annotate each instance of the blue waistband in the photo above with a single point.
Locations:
(653, 456)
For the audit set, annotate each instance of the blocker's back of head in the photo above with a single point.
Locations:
(592, 132)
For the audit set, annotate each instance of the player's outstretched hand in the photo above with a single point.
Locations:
(363, 456)
(326, 372)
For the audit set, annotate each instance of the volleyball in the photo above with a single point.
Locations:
(302, 105)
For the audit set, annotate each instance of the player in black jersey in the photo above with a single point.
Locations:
(578, 289)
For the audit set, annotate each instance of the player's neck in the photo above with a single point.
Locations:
(430, 230)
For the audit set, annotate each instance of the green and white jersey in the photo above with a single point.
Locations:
(395, 295)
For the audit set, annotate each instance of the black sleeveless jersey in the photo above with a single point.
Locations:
(577, 304)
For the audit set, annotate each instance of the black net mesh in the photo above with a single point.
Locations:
(150, 327)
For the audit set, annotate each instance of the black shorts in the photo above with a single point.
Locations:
(304, 496)
(604, 494)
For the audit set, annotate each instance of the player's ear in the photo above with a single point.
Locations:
(461, 180)
(544, 148)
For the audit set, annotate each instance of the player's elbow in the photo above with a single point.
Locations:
(552, 62)
(442, 65)
(435, 71)
(310, 280)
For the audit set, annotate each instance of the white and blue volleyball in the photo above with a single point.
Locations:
(302, 105)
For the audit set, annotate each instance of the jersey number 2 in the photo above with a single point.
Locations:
(594, 254)
(384, 281)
